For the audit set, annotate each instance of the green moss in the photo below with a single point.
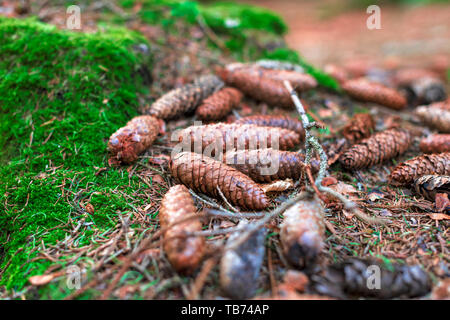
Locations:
(62, 95)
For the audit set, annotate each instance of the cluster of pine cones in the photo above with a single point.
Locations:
(231, 162)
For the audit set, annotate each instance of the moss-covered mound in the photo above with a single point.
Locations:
(61, 95)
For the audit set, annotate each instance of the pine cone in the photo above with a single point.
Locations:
(376, 149)
(219, 104)
(355, 277)
(435, 115)
(364, 90)
(359, 127)
(435, 143)
(185, 99)
(240, 267)
(428, 186)
(205, 175)
(279, 121)
(223, 137)
(407, 76)
(128, 142)
(406, 172)
(258, 86)
(302, 232)
(267, 165)
(339, 73)
(426, 90)
(184, 253)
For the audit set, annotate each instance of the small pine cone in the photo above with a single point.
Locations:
(435, 115)
(406, 172)
(205, 175)
(128, 142)
(267, 165)
(258, 86)
(184, 253)
(279, 121)
(364, 90)
(435, 143)
(361, 126)
(374, 150)
(219, 104)
(222, 137)
(351, 279)
(240, 266)
(185, 99)
(430, 185)
(426, 91)
(302, 232)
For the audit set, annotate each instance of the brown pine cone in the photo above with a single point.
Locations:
(430, 185)
(224, 137)
(302, 232)
(279, 121)
(407, 76)
(184, 253)
(406, 172)
(376, 149)
(426, 90)
(258, 86)
(435, 143)
(219, 104)
(365, 90)
(356, 277)
(205, 175)
(240, 267)
(185, 99)
(267, 165)
(359, 127)
(128, 142)
(435, 115)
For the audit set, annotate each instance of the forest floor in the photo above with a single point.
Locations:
(111, 210)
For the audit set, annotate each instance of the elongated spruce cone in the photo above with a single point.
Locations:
(185, 99)
(376, 149)
(240, 267)
(219, 104)
(279, 121)
(436, 115)
(435, 143)
(302, 232)
(267, 165)
(258, 87)
(184, 253)
(204, 174)
(350, 279)
(221, 137)
(364, 90)
(128, 142)
(406, 172)
(430, 185)
(359, 127)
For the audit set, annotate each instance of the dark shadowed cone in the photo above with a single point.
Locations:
(302, 232)
(205, 175)
(258, 86)
(376, 149)
(359, 127)
(430, 185)
(436, 116)
(219, 104)
(435, 143)
(279, 121)
(408, 171)
(240, 266)
(355, 278)
(267, 165)
(364, 90)
(184, 253)
(128, 142)
(217, 138)
(185, 99)
(426, 90)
